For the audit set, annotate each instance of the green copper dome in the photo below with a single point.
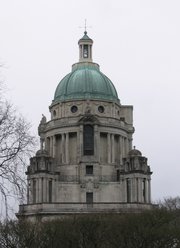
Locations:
(85, 82)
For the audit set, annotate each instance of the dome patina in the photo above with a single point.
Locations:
(85, 82)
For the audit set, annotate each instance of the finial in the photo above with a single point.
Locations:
(134, 147)
(85, 26)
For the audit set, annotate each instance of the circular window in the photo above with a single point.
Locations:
(54, 113)
(74, 109)
(101, 109)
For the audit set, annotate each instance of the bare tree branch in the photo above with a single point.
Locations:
(16, 145)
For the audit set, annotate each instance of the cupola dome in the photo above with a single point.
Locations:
(85, 81)
(134, 152)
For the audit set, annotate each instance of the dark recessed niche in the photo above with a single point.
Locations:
(101, 109)
(54, 113)
(74, 109)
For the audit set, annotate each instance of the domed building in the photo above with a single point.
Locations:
(86, 163)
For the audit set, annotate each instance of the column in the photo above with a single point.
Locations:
(123, 148)
(62, 148)
(81, 152)
(51, 146)
(54, 146)
(40, 189)
(96, 142)
(47, 190)
(31, 191)
(67, 148)
(146, 191)
(28, 182)
(113, 148)
(149, 190)
(133, 190)
(53, 191)
(120, 149)
(44, 189)
(78, 147)
(109, 147)
(140, 189)
(127, 145)
(137, 191)
(130, 144)
(125, 190)
(37, 190)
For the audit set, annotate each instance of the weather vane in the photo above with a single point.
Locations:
(85, 26)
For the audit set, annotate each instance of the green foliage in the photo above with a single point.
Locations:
(159, 228)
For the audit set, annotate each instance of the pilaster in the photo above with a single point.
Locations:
(109, 147)
(81, 140)
(62, 148)
(54, 146)
(97, 142)
(113, 151)
(44, 189)
(67, 148)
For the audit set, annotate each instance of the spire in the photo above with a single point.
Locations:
(85, 48)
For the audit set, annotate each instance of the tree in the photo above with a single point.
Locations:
(16, 143)
(170, 203)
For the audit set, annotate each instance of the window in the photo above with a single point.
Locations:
(88, 140)
(89, 169)
(101, 109)
(118, 175)
(89, 197)
(74, 109)
(85, 52)
(50, 191)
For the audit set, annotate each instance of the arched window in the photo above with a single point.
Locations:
(88, 140)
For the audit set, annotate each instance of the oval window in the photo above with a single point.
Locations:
(101, 109)
(74, 109)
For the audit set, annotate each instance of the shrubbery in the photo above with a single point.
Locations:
(159, 228)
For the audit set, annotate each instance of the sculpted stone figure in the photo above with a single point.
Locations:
(43, 120)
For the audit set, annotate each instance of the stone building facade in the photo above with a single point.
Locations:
(86, 163)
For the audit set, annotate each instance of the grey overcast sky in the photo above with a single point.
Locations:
(136, 43)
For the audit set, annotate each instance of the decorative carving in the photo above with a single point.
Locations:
(88, 108)
(89, 119)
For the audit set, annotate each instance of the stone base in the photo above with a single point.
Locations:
(51, 211)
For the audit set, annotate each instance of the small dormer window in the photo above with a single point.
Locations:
(85, 51)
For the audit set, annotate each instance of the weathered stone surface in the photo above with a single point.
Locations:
(86, 162)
